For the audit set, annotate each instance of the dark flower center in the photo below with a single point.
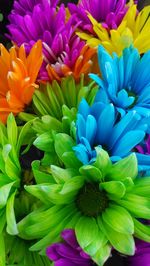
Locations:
(131, 93)
(91, 201)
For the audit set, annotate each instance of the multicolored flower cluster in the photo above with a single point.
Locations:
(75, 134)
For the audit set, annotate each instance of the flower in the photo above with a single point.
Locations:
(109, 13)
(123, 81)
(50, 99)
(133, 29)
(22, 7)
(101, 202)
(64, 52)
(118, 136)
(17, 78)
(68, 253)
(142, 254)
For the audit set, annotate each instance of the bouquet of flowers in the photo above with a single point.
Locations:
(75, 134)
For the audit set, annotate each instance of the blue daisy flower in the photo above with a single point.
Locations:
(125, 80)
(101, 125)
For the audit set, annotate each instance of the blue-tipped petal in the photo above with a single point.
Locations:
(91, 128)
(105, 124)
(81, 127)
(84, 108)
(128, 142)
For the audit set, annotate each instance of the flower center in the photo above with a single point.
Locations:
(132, 94)
(91, 201)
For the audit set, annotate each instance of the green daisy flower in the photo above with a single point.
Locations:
(15, 202)
(101, 202)
(49, 99)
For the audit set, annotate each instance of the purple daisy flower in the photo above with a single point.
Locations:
(68, 253)
(62, 49)
(22, 7)
(109, 12)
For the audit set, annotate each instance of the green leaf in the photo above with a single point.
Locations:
(137, 205)
(12, 130)
(123, 223)
(45, 142)
(4, 194)
(10, 216)
(91, 173)
(2, 251)
(86, 231)
(124, 168)
(63, 143)
(116, 189)
(123, 243)
(102, 161)
(142, 231)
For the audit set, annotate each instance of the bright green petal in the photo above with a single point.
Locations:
(4, 194)
(103, 161)
(115, 189)
(10, 216)
(91, 173)
(63, 143)
(39, 175)
(45, 142)
(97, 244)
(142, 231)
(118, 218)
(62, 175)
(12, 130)
(70, 160)
(86, 231)
(123, 243)
(124, 168)
(142, 187)
(137, 205)
(102, 255)
(2, 251)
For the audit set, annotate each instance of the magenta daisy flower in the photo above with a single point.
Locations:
(109, 12)
(22, 7)
(64, 52)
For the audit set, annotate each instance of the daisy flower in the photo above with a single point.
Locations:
(18, 73)
(64, 53)
(134, 29)
(88, 199)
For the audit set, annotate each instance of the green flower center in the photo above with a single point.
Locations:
(91, 201)
(131, 93)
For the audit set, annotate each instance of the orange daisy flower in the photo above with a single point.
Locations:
(18, 74)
